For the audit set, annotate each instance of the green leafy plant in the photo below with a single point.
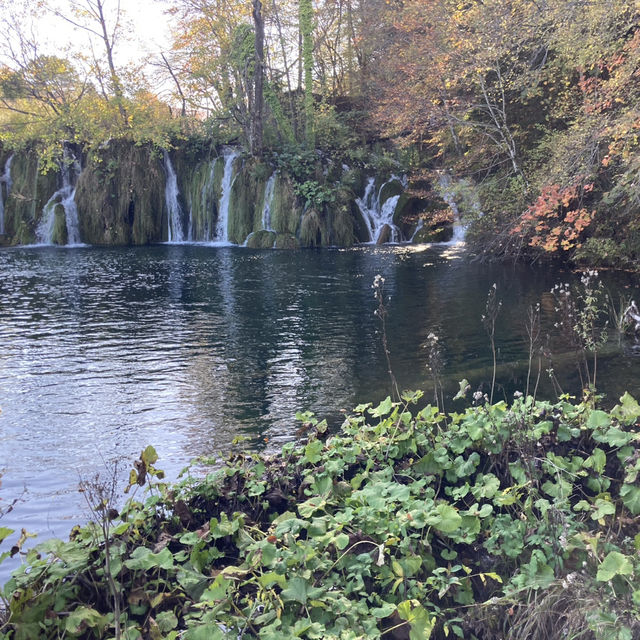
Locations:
(438, 531)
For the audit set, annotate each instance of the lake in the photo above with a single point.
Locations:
(186, 347)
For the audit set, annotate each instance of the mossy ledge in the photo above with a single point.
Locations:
(499, 521)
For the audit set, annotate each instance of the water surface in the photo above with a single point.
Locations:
(105, 351)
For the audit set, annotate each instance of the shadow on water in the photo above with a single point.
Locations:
(185, 347)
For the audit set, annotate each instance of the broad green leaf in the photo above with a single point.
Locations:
(312, 451)
(144, 559)
(486, 486)
(598, 419)
(121, 528)
(603, 508)
(5, 533)
(217, 590)
(341, 540)
(597, 460)
(630, 495)
(444, 518)
(628, 411)
(84, 617)
(207, 632)
(149, 456)
(269, 579)
(420, 621)
(614, 564)
(166, 620)
(310, 506)
(297, 590)
(383, 409)
(383, 611)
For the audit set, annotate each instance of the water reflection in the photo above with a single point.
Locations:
(106, 350)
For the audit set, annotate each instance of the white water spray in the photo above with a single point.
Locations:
(269, 191)
(222, 234)
(65, 196)
(459, 229)
(174, 210)
(4, 194)
(377, 215)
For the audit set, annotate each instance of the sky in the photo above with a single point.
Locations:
(150, 32)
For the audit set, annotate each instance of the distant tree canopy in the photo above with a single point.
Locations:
(534, 103)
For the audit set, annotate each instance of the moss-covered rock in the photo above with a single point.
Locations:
(120, 196)
(245, 205)
(313, 229)
(438, 233)
(385, 235)
(261, 239)
(286, 241)
(30, 191)
(59, 235)
(342, 216)
(202, 195)
(285, 208)
(389, 189)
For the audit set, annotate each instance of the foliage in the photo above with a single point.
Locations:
(407, 518)
(538, 104)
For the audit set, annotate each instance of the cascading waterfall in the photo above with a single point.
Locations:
(378, 216)
(174, 210)
(70, 170)
(222, 234)
(5, 180)
(459, 229)
(269, 191)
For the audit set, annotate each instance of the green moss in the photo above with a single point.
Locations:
(390, 189)
(286, 241)
(261, 239)
(120, 196)
(285, 208)
(342, 218)
(440, 233)
(245, 205)
(59, 235)
(201, 197)
(313, 230)
(30, 191)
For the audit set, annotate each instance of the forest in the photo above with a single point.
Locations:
(530, 107)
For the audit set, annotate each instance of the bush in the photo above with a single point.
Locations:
(474, 525)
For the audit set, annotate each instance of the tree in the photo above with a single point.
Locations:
(305, 8)
(258, 106)
(92, 17)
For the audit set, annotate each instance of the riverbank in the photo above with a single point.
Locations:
(519, 520)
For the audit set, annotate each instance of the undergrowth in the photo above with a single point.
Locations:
(498, 521)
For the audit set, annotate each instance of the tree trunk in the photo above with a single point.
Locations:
(115, 79)
(258, 105)
(306, 31)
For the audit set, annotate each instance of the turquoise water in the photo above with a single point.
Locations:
(105, 351)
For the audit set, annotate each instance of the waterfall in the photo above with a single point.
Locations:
(269, 191)
(223, 210)
(418, 228)
(6, 180)
(379, 216)
(459, 229)
(70, 170)
(174, 210)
